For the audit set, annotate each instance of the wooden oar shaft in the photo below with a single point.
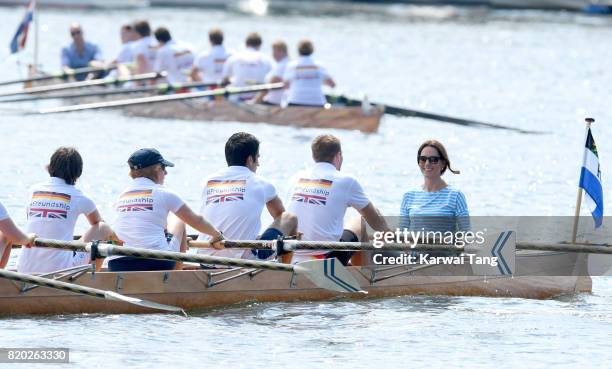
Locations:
(59, 75)
(108, 250)
(83, 290)
(20, 277)
(562, 247)
(153, 99)
(157, 89)
(81, 84)
(290, 245)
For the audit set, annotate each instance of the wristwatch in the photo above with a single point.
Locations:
(218, 238)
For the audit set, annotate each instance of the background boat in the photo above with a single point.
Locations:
(81, 4)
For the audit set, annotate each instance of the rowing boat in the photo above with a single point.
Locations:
(340, 117)
(365, 119)
(539, 275)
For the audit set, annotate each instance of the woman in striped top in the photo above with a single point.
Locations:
(436, 206)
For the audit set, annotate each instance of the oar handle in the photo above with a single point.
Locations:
(59, 75)
(104, 250)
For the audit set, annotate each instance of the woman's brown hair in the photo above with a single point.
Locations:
(66, 163)
(441, 151)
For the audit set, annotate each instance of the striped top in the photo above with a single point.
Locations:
(444, 210)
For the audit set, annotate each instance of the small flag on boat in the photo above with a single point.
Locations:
(590, 180)
(19, 40)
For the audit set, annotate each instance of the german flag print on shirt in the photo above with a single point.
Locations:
(312, 191)
(137, 200)
(219, 191)
(47, 204)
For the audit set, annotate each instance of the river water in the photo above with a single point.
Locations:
(533, 70)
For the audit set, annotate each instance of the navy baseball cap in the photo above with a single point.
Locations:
(146, 157)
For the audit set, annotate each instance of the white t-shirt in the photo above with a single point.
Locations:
(146, 46)
(176, 58)
(232, 200)
(53, 210)
(305, 77)
(210, 63)
(319, 198)
(277, 96)
(126, 54)
(142, 214)
(3, 213)
(246, 68)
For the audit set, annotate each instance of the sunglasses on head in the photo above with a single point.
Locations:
(432, 159)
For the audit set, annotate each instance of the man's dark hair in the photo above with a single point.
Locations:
(305, 48)
(215, 36)
(239, 147)
(66, 163)
(253, 40)
(142, 28)
(162, 34)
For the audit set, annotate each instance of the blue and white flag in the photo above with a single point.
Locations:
(19, 40)
(590, 180)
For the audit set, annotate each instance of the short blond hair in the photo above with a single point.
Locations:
(280, 45)
(149, 172)
(325, 147)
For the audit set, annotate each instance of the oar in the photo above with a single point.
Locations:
(291, 245)
(405, 112)
(328, 273)
(103, 294)
(159, 89)
(147, 100)
(81, 84)
(59, 75)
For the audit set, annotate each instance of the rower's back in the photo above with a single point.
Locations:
(142, 213)
(52, 210)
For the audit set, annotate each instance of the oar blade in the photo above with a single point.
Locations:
(329, 274)
(144, 303)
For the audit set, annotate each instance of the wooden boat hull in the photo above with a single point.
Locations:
(199, 289)
(338, 117)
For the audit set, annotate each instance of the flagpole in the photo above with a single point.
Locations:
(36, 25)
(588, 121)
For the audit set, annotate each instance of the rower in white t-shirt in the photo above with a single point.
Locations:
(248, 67)
(144, 49)
(320, 196)
(176, 58)
(124, 59)
(304, 78)
(278, 96)
(53, 209)
(151, 216)
(234, 197)
(128, 37)
(208, 65)
(9, 234)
